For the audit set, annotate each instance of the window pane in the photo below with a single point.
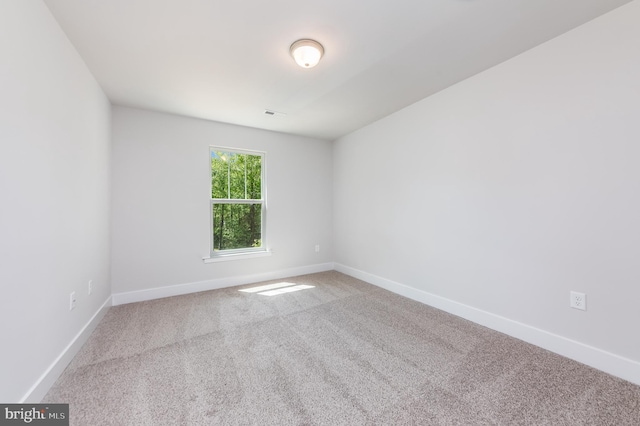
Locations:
(219, 174)
(237, 226)
(254, 175)
(236, 176)
(237, 164)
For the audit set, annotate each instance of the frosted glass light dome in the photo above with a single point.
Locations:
(307, 53)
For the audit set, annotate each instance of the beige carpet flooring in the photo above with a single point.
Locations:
(341, 353)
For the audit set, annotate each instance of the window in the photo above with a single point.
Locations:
(237, 202)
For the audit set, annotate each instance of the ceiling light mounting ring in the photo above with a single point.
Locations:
(306, 52)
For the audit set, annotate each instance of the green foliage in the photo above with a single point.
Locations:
(236, 176)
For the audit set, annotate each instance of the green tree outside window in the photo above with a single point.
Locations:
(236, 199)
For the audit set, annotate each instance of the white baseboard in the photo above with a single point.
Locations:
(179, 289)
(48, 378)
(613, 364)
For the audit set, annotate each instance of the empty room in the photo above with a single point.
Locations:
(331, 213)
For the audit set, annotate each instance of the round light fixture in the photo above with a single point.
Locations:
(306, 52)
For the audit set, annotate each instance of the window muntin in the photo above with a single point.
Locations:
(237, 201)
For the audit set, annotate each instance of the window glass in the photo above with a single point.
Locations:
(237, 200)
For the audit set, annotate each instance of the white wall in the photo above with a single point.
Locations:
(508, 190)
(160, 213)
(54, 197)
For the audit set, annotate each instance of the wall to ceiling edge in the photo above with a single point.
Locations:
(496, 197)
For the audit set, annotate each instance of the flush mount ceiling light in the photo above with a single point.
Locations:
(306, 52)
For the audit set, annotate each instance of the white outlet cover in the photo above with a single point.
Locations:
(578, 300)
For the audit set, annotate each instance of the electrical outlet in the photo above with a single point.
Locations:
(578, 300)
(72, 300)
(317, 248)
(90, 287)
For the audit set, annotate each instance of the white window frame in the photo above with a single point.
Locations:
(248, 252)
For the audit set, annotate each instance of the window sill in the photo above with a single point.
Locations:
(236, 256)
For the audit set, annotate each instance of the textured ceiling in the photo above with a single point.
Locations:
(229, 61)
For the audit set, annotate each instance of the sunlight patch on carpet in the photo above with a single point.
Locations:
(277, 288)
(286, 290)
(266, 287)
